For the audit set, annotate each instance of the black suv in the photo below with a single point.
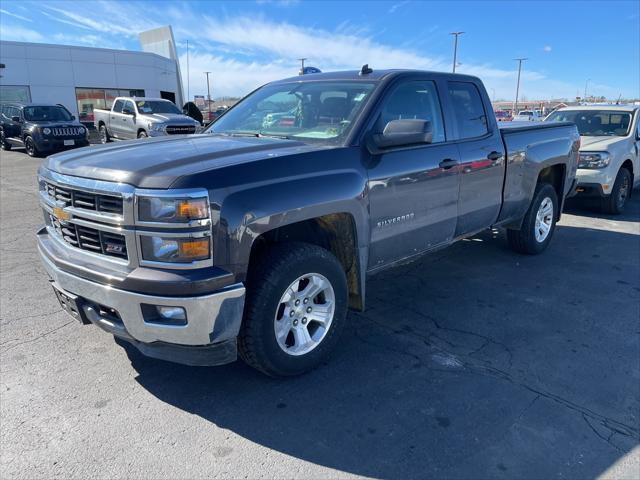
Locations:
(40, 128)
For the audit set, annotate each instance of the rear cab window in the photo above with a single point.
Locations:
(468, 109)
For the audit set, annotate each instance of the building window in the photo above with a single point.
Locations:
(15, 93)
(91, 98)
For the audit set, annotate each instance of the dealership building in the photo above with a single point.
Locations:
(84, 78)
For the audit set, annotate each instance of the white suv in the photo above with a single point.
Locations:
(609, 151)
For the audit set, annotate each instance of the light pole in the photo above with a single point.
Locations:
(188, 83)
(585, 89)
(455, 48)
(208, 92)
(515, 104)
(301, 72)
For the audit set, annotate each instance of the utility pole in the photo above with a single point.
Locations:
(301, 72)
(455, 48)
(208, 92)
(188, 92)
(515, 104)
(585, 89)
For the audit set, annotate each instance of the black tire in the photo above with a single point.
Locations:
(30, 147)
(4, 145)
(524, 240)
(104, 134)
(614, 203)
(142, 134)
(276, 269)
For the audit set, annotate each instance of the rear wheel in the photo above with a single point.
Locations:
(539, 222)
(3, 142)
(614, 204)
(142, 134)
(30, 147)
(295, 309)
(104, 134)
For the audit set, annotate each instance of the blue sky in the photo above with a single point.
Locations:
(249, 43)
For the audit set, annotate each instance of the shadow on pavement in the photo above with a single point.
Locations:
(472, 363)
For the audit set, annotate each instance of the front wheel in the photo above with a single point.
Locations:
(295, 309)
(143, 134)
(30, 147)
(615, 202)
(539, 222)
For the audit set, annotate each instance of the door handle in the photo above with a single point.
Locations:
(493, 156)
(448, 163)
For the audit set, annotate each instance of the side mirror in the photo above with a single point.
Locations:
(15, 119)
(399, 133)
(127, 111)
(73, 117)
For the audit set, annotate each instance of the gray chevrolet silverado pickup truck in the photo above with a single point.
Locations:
(257, 236)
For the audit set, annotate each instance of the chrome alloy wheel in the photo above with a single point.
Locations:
(623, 192)
(544, 220)
(304, 314)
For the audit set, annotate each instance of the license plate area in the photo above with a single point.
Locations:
(70, 303)
(68, 143)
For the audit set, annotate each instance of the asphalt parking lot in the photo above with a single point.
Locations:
(474, 362)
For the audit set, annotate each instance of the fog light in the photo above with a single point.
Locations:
(164, 315)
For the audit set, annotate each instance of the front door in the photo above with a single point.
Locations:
(413, 191)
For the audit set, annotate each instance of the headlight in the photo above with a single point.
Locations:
(156, 127)
(175, 249)
(172, 210)
(594, 160)
(46, 131)
(81, 130)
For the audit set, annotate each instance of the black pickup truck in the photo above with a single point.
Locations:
(259, 234)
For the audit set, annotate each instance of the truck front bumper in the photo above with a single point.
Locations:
(207, 338)
(595, 182)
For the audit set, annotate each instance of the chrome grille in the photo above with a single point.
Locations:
(67, 131)
(178, 129)
(91, 239)
(86, 200)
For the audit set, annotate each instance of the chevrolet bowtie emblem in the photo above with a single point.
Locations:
(61, 215)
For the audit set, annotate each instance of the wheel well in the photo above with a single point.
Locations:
(335, 232)
(140, 130)
(554, 175)
(101, 124)
(628, 164)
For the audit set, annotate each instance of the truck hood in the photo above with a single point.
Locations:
(159, 162)
(598, 144)
(172, 118)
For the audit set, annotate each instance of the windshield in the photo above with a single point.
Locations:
(47, 114)
(309, 111)
(595, 123)
(525, 113)
(156, 106)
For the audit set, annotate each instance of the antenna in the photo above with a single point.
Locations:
(365, 70)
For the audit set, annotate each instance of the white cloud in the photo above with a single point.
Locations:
(15, 15)
(547, 48)
(19, 34)
(396, 6)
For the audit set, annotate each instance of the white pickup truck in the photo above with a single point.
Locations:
(609, 152)
(135, 117)
(528, 116)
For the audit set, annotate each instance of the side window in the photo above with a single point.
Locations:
(638, 125)
(468, 109)
(129, 105)
(419, 100)
(117, 107)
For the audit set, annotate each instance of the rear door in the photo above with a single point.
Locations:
(115, 119)
(413, 191)
(482, 162)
